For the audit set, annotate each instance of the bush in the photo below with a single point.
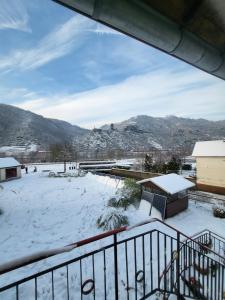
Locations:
(219, 212)
(131, 190)
(129, 194)
(1, 212)
(112, 220)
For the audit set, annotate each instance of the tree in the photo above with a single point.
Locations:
(173, 165)
(148, 163)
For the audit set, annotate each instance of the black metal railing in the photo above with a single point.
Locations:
(130, 265)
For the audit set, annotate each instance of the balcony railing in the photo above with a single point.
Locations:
(127, 263)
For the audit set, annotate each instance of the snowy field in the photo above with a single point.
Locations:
(41, 213)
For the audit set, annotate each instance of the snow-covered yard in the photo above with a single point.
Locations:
(41, 213)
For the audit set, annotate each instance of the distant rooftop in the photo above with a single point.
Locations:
(8, 162)
(170, 183)
(209, 148)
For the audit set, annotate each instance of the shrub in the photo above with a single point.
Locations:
(129, 194)
(112, 220)
(131, 191)
(219, 212)
(1, 212)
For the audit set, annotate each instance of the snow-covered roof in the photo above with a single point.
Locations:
(209, 148)
(7, 162)
(170, 183)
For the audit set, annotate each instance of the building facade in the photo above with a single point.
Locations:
(210, 166)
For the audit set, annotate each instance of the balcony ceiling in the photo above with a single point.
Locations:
(193, 30)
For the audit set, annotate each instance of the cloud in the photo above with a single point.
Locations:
(61, 41)
(160, 93)
(13, 15)
(56, 44)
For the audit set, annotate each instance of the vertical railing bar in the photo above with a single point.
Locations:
(143, 257)
(116, 268)
(215, 285)
(184, 264)
(135, 268)
(67, 281)
(35, 286)
(158, 259)
(151, 268)
(104, 260)
(93, 273)
(81, 280)
(211, 282)
(53, 295)
(165, 263)
(127, 270)
(189, 265)
(223, 282)
(17, 292)
(178, 265)
(207, 279)
(172, 264)
(203, 277)
(219, 294)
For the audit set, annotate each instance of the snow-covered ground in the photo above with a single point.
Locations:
(41, 213)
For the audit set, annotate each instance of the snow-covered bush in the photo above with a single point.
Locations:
(122, 202)
(129, 194)
(112, 219)
(219, 212)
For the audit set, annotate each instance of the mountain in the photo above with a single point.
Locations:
(144, 132)
(19, 127)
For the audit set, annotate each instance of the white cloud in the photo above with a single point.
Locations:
(58, 43)
(160, 93)
(13, 15)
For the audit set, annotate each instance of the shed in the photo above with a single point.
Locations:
(10, 168)
(210, 165)
(171, 187)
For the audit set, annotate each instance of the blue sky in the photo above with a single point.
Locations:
(62, 65)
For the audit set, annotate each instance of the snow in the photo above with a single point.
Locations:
(41, 213)
(170, 183)
(209, 148)
(8, 162)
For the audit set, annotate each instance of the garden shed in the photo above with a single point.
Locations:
(167, 193)
(10, 168)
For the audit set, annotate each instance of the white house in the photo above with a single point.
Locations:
(10, 168)
(210, 165)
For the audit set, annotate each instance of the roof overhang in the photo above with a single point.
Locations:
(193, 31)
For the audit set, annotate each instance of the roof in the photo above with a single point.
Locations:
(170, 183)
(209, 148)
(8, 162)
(193, 31)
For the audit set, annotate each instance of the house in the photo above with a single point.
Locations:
(10, 168)
(210, 165)
(167, 193)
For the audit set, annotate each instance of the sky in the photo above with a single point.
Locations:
(62, 65)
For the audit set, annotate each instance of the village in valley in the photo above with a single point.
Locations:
(112, 150)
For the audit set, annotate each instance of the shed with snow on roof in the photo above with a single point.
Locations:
(167, 193)
(10, 168)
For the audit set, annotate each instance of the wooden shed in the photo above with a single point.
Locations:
(171, 187)
(10, 168)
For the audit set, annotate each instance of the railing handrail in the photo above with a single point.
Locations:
(24, 261)
(210, 232)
